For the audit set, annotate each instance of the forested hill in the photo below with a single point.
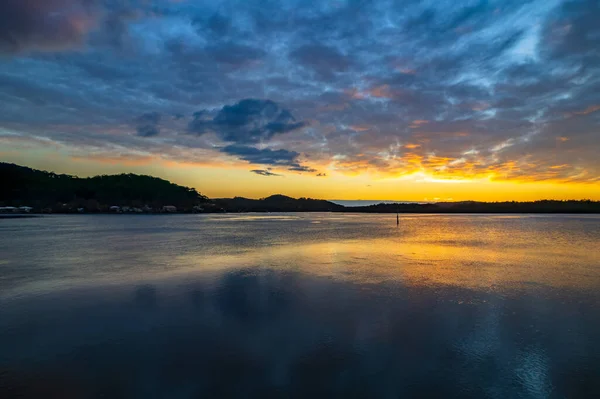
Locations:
(277, 203)
(23, 186)
(542, 206)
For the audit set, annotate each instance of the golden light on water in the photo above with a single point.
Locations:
(482, 257)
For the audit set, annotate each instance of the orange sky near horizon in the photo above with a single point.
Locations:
(222, 180)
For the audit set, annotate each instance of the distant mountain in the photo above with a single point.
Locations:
(277, 203)
(40, 189)
(542, 206)
(353, 203)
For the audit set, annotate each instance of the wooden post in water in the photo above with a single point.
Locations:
(397, 219)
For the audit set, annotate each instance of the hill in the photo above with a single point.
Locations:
(542, 206)
(23, 186)
(277, 203)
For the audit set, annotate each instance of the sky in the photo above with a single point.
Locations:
(336, 99)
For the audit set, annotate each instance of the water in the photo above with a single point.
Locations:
(300, 305)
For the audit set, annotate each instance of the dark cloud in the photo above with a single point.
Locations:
(148, 131)
(148, 124)
(219, 24)
(264, 172)
(235, 54)
(302, 169)
(45, 25)
(264, 156)
(573, 31)
(248, 121)
(322, 59)
(267, 156)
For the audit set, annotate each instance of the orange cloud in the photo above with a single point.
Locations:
(355, 94)
(448, 169)
(418, 123)
(588, 110)
(437, 162)
(360, 128)
(382, 91)
(482, 106)
(412, 158)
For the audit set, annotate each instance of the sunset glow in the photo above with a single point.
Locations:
(338, 100)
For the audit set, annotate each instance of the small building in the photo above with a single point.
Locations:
(8, 209)
(169, 208)
(115, 208)
(25, 209)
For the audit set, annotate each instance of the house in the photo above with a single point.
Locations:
(169, 208)
(7, 209)
(115, 208)
(25, 209)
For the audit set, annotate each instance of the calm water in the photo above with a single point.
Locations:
(300, 305)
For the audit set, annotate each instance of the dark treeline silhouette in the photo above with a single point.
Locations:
(41, 190)
(542, 206)
(50, 192)
(277, 203)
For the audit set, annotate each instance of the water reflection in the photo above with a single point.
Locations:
(268, 333)
(440, 307)
(467, 263)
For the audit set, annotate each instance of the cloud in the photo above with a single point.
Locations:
(324, 60)
(267, 156)
(235, 54)
(45, 25)
(264, 156)
(302, 169)
(389, 89)
(264, 172)
(148, 124)
(248, 121)
(572, 31)
(219, 24)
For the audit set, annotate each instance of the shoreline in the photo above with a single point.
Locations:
(446, 212)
